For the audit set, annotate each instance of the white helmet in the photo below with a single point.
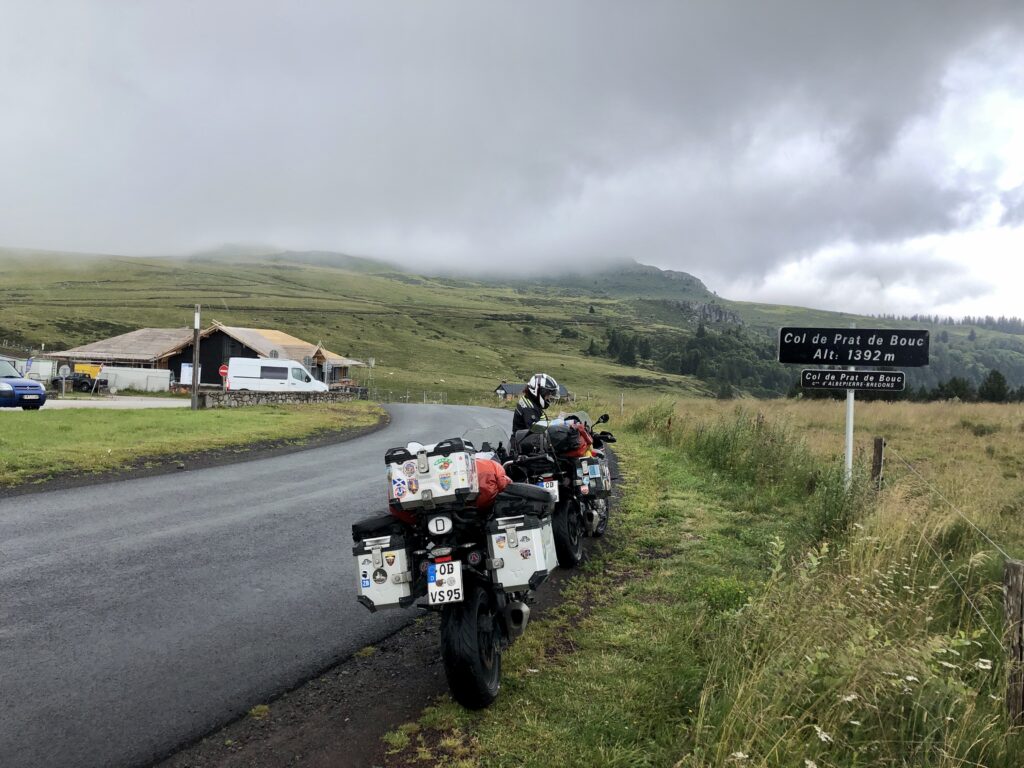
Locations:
(542, 389)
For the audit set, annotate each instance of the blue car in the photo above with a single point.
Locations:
(19, 392)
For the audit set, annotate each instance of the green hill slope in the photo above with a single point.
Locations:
(629, 326)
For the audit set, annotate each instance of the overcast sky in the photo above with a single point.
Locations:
(866, 156)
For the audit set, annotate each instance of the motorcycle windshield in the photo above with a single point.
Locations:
(487, 439)
(581, 416)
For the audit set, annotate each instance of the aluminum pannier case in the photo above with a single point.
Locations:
(444, 473)
(593, 477)
(383, 563)
(520, 540)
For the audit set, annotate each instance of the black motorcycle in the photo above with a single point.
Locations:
(552, 455)
(440, 551)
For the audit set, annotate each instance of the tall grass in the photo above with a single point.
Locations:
(880, 646)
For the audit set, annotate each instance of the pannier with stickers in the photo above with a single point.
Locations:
(444, 473)
(521, 543)
(593, 477)
(383, 562)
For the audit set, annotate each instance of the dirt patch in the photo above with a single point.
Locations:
(172, 463)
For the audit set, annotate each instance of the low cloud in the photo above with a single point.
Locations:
(727, 139)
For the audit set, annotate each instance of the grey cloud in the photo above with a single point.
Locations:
(458, 133)
(1013, 207)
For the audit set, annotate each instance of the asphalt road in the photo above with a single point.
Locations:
(138, 615)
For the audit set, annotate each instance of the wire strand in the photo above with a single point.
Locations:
(959, 586)
(952, 506)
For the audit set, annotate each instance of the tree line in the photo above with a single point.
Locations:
(733, 359)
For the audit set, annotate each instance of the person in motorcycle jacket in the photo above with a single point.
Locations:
(540, 391)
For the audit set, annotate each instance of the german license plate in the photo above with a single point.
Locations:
(551, 486)
(30, 397)
(444, 583)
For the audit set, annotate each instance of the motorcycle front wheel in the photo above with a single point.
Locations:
(471, 650)
(567, 527)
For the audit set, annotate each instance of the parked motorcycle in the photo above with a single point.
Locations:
(566, 457)
(460, 547)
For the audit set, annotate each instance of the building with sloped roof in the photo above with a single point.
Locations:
(506, 391)
(169, 348)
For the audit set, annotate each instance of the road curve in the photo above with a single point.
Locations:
(138, 615)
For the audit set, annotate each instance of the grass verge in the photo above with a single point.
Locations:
(36, 446)
(749, 611)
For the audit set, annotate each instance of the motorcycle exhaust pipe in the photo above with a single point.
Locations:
(593, 520)
(517, 615)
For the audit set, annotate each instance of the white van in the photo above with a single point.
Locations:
(250, 374)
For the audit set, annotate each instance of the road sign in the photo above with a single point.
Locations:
(64, 371)
(867, 381)
(223, 371)
(853, 346)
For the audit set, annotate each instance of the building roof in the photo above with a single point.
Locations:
(264, 341)
(146, 345)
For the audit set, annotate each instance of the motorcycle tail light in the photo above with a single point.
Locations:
(475, 558)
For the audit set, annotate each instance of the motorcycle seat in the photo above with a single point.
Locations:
(525, 491)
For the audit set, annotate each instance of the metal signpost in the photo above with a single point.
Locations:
(853, 347)
(64, 372)
(195, 361)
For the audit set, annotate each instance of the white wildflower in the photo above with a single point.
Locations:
(848, 698)
(738, 756)
(810, 763)
(911, 679)
(947, 665)
(983, 664)
(824, 735)
(855, 722)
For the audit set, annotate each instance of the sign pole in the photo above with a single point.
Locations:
(195, 361)
(850, 395)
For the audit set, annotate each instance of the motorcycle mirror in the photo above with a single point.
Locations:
(602, 418)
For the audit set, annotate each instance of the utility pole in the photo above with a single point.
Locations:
(195, 361)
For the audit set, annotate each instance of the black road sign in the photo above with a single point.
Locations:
(853, 346)
(879, 381)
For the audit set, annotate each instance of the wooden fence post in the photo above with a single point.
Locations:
(1013, 586)
(876, 462)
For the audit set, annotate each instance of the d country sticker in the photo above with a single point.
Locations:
(398, 486)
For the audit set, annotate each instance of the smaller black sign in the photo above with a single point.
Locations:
(853, 346)
(879, 381)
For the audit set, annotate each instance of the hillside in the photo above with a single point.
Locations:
(629, 326)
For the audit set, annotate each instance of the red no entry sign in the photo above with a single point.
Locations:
(223, 370)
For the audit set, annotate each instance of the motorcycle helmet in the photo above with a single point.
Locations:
(542, 389)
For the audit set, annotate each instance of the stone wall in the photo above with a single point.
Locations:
(241, 399)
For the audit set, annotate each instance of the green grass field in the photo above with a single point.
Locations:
(749, 612)
(427, 334)
(36, 446)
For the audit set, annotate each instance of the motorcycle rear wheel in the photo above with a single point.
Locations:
(471, 650)
(567, 527)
